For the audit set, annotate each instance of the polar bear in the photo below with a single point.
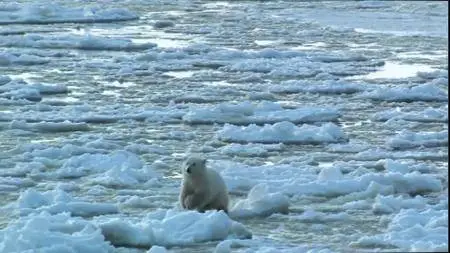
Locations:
(202, 188)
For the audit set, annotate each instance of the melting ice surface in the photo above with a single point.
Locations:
(327, 120)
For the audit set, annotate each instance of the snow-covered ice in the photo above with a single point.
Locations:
(264, 112)
(283, 132)
(407, 139)
(427, 115)
(86, 42)
(321, 118)
(173, 228)
(58, 201)
(326, 87)
(422, 92)
(260, 203)
(44, 232)
(413, 230)
(55, 13)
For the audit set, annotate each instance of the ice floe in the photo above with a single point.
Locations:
(412, 230)
(390, 204)
(173, 228)
(330, 182)
(7, 59)
(118, 169)
(250, 149)
(86, 113)
(85, 42)
(407, 139)
(8, 183)
(374, 154)
(315, 216)
(282, 132)
(55, 13)
(263, 112)
(58, 201)
(19, 89)
(353, 146)
(260, 202)
(421, 92)
(44, 232)
(327, 87)
(65, 126)
(427, 115)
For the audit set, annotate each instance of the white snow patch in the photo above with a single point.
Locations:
(282, 132)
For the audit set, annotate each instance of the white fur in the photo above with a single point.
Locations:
(202, 188)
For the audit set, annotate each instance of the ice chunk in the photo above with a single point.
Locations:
(260, 203)
(58, 201)
(173, 228)
(282, 132)
(264, 112)
(422, 92)
(412, 230)
(43, 232)
(55, 13)
(407, 139)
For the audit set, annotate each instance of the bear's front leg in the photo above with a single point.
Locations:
(195, 201)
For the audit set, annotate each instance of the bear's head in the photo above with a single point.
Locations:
(194, 166)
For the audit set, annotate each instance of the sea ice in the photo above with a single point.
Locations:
(390, 204)
(315, 216)
(413, 230)
(250, 149)
(173, 228)
(85, 42)
(47, 233)
(245, 113)
(21, 59)
(65, 126)
(58, 201)
(327, 87)
(427, 115)
(421, 92)
(118, 169)
(260, 202)
(407, 139)
(55, 13)
(282, 132)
